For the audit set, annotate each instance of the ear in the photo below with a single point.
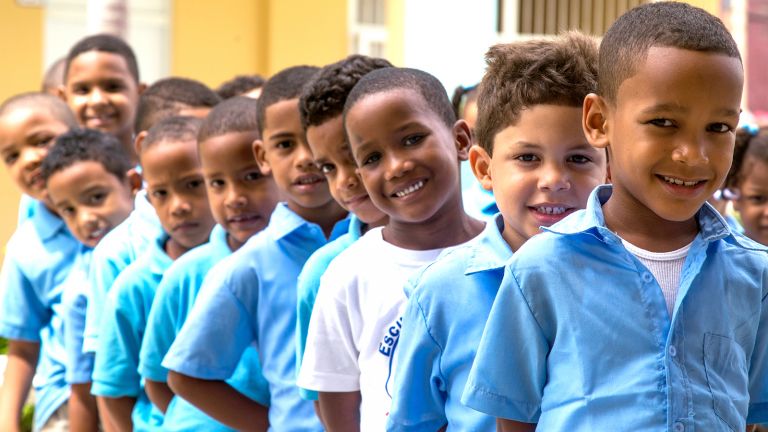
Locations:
(138, 142)
(594, 121)
(61, 92)
(480, 162)
(141, 87)
(261, 158)
(462, 136)
(133, 178)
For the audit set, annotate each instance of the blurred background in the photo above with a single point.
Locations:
(213, 41)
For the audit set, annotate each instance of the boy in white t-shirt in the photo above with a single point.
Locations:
(407, 145)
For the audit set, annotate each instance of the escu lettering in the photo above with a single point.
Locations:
(388, 343)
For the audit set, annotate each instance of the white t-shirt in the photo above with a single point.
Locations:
(356, 322)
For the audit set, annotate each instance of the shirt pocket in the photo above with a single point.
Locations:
(726, 368)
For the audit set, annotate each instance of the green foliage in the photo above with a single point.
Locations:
(3, 346)
(27, 415)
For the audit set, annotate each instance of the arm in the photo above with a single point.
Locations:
(504, 425)
(222, 402)
(119, 411)
(340, 411)
(159, 393)
(22, 361)
(82, 410)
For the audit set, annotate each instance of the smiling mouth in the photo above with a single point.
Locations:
(309, 180)
(97, 234)
(185, 226)
(680, 182)
(410, 189)
(242, 218)
(551, 209)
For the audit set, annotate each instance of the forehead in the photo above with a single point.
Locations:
(328, 138)
(26, 120)
(92, 63)
(169, 159)
(684, 78)
(225, 151)
(282, 116)
(389, 110)
(79, 176)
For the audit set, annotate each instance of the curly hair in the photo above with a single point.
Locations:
(748, 144)
(83, 145)
(560, 71)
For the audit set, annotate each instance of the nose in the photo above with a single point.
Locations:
(180, 205)
(397, 166)
(348, 178)
(87, 219)
(235, 197)
(304, 159)
(96, 96)
(31, 158)
(692, 151)
(553, 177)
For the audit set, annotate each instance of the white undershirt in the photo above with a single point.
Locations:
(666, 267)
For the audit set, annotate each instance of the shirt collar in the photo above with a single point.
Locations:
(489, 250)
(46, 223)
(218, 238)
(159, 261)
(355, 229)
(712, 226)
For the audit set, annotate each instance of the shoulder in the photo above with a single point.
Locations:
(131, 280)
(319, 261)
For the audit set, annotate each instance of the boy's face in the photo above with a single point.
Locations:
(408, 158)
(241, 198)
(91, 200)
(176, 189)
(283, 152)
(334, 159)
(752, 203)
(542, 169)
(102, 92)
(670, 135)
(26, 134)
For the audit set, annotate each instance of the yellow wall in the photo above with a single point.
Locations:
(396, 29)
(711, 6)
(21, 45)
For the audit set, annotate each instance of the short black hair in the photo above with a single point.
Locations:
(423, 83)
(172, 129)
(324, 97)
(83, 145)
(168, 97)
(104, 43)
(239, 86)
(285, 85)
(237, 114)
(39, 100)
(663, 24)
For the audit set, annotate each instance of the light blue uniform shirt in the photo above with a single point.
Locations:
(444, 318)
(250, 298)
(75, 301)
(38, 258)
(115, 372)
(173, 300)
(579, 338)
(478, 202)
(308, 285)
(115, 252)
(27, 206)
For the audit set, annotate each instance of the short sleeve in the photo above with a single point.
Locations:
(103, 272)
(509, 372)
(162, 325)
(418, 400)
(79, 364)
(117, 355)
(330, 359)
(218, 328)
(306, 293)
(758, 368)
(22, 313)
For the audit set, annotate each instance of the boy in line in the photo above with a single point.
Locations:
(407, 144)
(241, 200)
(250, 297)
(38, 258)
(644, 311)
(176, 190)
(91, 185)
(321, 105)
(533, 155)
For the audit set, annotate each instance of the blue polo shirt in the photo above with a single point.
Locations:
(250, 298)
(38, 258)
(308, 285)
(579, 337)
(75, 301)
(444, 318)
(124, 320)
(173, 300)
(115, 252)
(27, 206)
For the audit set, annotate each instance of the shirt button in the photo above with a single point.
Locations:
(647, 277)
(678, 427)
(672, 350)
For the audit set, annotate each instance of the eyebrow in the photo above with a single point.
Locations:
(281, 135)
(675, 108)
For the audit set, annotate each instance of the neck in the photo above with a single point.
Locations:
(448, 227)
(233, 243)
(645, 229)
(173, 249)
(326, 215)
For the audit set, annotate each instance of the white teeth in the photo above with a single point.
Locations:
(308, 180)
(410, 189)
(551, 210)
(679, 182)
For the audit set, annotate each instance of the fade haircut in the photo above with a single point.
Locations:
(665, 24)
(104, 43)
(748, 145)
(239, 86)
(168, 97)
(83, 145)
(237, 114)
(285, 85)
(324, 97)
(172, 129)
(40, 101)
(560, 71)
(418, 81)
